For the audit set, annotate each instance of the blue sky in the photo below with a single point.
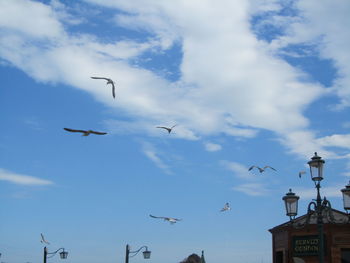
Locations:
(260, 82)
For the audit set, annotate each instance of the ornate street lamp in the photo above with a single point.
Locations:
(291, 203)
(63, 254)
(316, 168)
(319, 207)
(146, 253)
(346, 197)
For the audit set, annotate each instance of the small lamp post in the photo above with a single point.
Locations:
(291, 203)
(146, 253)
(316, 168)
(346, 197)
(63, 254)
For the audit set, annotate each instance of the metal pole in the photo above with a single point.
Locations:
(45, 254)
(126, 254)
(319, 225)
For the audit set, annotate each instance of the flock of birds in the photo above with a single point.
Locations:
(171, 220)
(88, 132)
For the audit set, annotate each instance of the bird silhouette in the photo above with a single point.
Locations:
(85, 132)
(169, 219)
(301, 173)
(226, 207)
(166, 128)
(261, 169)
(43, 239)
(109, 81)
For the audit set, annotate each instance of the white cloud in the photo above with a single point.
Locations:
(338, 140)
(22, 179)
(326, 26)
(238, 170)
(310, 193)
(230, 82)
(346, 174)
(31, 18)
(256, 188)
(252, 189)
(149, 150)
(212, 147)
(304, 142)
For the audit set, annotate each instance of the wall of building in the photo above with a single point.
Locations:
(337, 239)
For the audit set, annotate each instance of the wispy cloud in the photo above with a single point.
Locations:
(22, 179)
(252, 189)
(238, 170)
(150, 151)
(34, 123)
(254, 89)
(330, 191)
(212, 147)
(337, 140)
(346, 124)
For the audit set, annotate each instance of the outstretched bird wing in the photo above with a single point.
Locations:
(269, 167)
(251, 167)
(73, 130)
(157, 216)
(101, 78)
(99, 133)
(113, 89)
(162, 127)
(173, 126)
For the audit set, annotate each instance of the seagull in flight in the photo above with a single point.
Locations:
(169, 219)
(225, 208)
(166, 128)
(43, 239)
(301, 173)
(261, 169)
(85, 132)
(109, 81)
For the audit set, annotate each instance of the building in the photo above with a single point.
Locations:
(297, 240)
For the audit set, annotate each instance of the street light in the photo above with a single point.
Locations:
(316, 168)
(291, 202)
(346, 197)
(146, 253)
(63, 254)
(320, 207)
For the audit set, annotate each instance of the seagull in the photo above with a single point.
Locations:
(43, 239)
(301, 173)
(225, 208)
(169, 219)
(261, 169)
(166, 128)
(109, 81)
(86, 133)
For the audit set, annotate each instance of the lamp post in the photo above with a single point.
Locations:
(346, 197)
(146, 253)
(63, 254)
(319, 206)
